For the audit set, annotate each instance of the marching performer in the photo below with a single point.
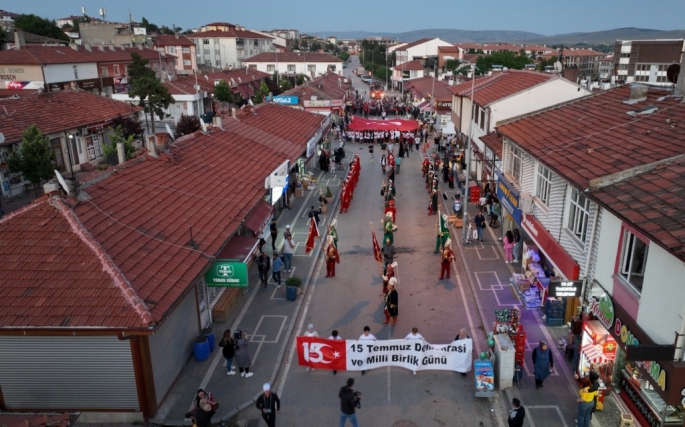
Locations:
(389, 275)
(332, 258)
(389, 228)
(390, 208)
(443, 233)
(424, 166)
(333, 232)
(446, 260)
(433, 206)
(391, 301)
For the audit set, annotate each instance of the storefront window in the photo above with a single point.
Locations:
(633, 260)
(579, 213)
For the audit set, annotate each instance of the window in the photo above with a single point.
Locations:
(291, 68)
(217, 52)
(240, 43)
(625, 55)
(186, 62)
(116, 69)
(255, 43)
(311, 68)
(482, 118)
(206, 52)
(126, 69)
(543, 185)
(253, 66)
(515, 163)
(205, 41)
(186, 50)
(104, 72)
(633, 260)
(56, 144)
(76, 72)
(579, 213)
(270, 68)
(171, 49)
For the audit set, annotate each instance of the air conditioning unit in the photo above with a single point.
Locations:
(526, 203)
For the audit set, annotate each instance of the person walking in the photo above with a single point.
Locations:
(398, 163)
(276, 269)
(509, 247)
(479, 222)
(446, 260)
(310, 332)
(228, 349)
(388, 254)
(371, 152)
(288, 250)
(586, 401)
(287, 232)
(391, 301)
(462, 336)
(314, 213)
(517, 414)
(263, 266)
(518, 244)
(366, 336)
(332, 257)
(496, 212)
(349, 401)
(543, 363)
(202, 416)
(274, 233)
(335, 336)
(242, 355)
(414, 335)
(384, 162)
(269, 404)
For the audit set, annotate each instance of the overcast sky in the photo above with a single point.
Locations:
(546, 17)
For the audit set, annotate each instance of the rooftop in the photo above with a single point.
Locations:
(498, 86)
(410, 66)
(44, 55)
(58, 111)
(185, 84)
(427, 86)
(582, 52)
(323, 87)
(229, 34)
(293, 57)
(169, 40)
(416, 43)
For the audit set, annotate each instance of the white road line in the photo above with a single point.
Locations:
(389, 387)
(555, 407)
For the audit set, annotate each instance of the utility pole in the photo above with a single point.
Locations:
(467, 149)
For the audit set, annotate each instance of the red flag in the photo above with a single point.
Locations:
(313, 234)
(320, 353)
(376, 248)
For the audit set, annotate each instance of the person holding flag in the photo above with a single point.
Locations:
(446, 260)
(311, 235)
(443, 233)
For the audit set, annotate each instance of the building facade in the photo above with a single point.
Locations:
(179, 46)
(226, 46)
(294, 63)
(646, 61)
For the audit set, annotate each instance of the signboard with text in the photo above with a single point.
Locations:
(226, 273)
(317, 103)
(285, 100)
(509, 197)
(565, 288)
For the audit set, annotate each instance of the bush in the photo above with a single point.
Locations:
(329, 193)
(293, 281)
(187, 125)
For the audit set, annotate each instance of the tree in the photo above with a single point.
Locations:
(116, 135)
(344, 56)
(304, 45)
(130, 126)
(261, 93)
(285, 84)
(452, 64)
(43, 27)
(223, 92)
(154, 96)
(35, 158)
(382, 72)
(301, 78)
(3, 36)
(315, 47)
(505, 59)
(187, 125)
(546, 62)
(149, 28)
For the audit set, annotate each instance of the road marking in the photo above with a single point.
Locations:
(262, 340)
(555, 407)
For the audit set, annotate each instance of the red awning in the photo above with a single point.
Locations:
(424, 106)
(259, 217)
(240, 248)
(399, 124)
(554, 252)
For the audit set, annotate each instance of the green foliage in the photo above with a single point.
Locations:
(187, 125)
(43, 27)
(223, 92)
(382, 73)
(35, 159)
(150, 28)
(315, 47)
(130, 126)
(293, 281)
(295, 44)
(285, 84)
(153, 95)
(344, 55)
(546, 62)
(452, 64)
(373, 55)
(304, 45)
(472, 51)
(329, 193)
(3, 36)
(506, 59)
(116, 135)
(301, 78)
(261, 93)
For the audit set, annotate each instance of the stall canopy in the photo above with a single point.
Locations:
(259, 217)
(423, 106)
(399, 124)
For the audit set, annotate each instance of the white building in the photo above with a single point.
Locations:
(420, 49)
(407, 71)
(291, 63)
(225, 46)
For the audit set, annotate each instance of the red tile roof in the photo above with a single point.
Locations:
(169, 40)
(501, 85)
(6, 93)
(55, 275)
(425, 87)
(448, 49)
(595, 136)
(410, 66)
(185, 84)
(324, 87)
(582, 52)
(228, 34)
(43, 55)
(58, 111)
(653, 202)
(292, 57)
(34, 420)
(416, 43)
(494, 142)
(284, 122)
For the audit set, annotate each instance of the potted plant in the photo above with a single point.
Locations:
(292, 284)
(329, 194)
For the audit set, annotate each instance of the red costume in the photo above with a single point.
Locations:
(391, 208)
(332, 258)
(446, 262)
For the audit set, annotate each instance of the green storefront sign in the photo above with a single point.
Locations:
(227, 273)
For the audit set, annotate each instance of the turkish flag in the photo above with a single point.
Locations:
(313, 234)
(321, 353)
(377, 253)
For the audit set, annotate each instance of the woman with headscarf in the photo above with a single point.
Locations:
(543, 363)
(242, 356)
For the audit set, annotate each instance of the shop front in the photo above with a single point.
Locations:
(508, 197)
(653, 390)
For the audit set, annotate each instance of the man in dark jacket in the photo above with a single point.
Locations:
(349, 399)
(517, 414)
(314, 213)
(202, 416)
(274, 233)
(269, 404)
(263, 265)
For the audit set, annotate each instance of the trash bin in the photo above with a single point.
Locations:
(201, 348)
(209, 333)
(291, 293)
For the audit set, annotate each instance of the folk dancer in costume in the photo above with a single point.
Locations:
(391, 301)
(390, 208)
(333, 232)
(389, 228)
(433, 206)
(435, 186)
(424, 166)
(389, 192)
(446, 260)
(443, 233)
(332, 257)
(345, 198)
(429, 180)
(389, 275)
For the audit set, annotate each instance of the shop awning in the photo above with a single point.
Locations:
(259, 217)
(554, 252)
(423, 106)
(595, 355)
(403, 125)
(240, 248)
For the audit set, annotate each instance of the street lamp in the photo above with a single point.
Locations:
(467, 148)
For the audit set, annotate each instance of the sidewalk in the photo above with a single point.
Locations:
(555, 404)
(262, 313)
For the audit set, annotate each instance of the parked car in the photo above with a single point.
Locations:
(367, 79)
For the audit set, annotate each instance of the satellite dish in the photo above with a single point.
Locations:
(671, 74)
(62, 182)
(557, 66)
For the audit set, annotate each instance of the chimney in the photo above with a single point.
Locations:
(176, 35)
(638, 92)
(111, 47)
(233, 113)
(121, 153)
(150, 144)
(51, 187)
(680, 83)
(19, 41)
(73, 46)
(87, 47)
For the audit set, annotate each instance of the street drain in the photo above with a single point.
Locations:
(404, 423)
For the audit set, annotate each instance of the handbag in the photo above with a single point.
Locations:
(475, 234)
